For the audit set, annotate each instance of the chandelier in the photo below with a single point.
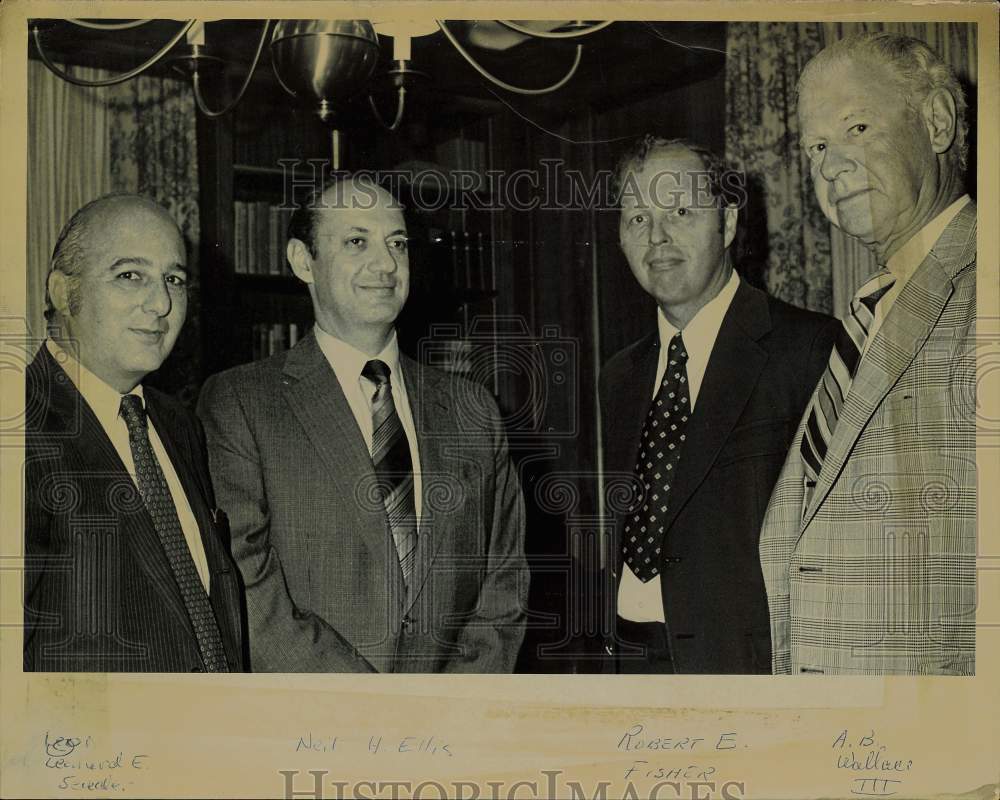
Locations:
(325, 63)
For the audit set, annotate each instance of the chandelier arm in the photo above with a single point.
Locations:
(125, 76)
(400, 105)
(557, 35)
(196, 81)
(502, 84)
(109, 26)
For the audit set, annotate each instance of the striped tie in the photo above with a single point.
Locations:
(393, 466)
(828, 399)
(156, 494)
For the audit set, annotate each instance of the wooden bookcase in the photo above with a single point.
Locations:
(453, 259)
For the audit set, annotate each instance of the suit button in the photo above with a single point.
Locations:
(407, 622)
(609, 649)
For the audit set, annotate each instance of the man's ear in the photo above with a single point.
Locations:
(301, 261)
(730, 216)
(59, 291)
(940, 119)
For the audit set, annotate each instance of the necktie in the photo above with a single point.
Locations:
(656, 466)
(156, 495)
(393, 466)
(828, 399)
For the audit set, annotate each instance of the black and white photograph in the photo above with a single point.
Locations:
(374, 360)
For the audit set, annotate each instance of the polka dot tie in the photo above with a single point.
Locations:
(660, 447)
(156, 495)
(393, 466)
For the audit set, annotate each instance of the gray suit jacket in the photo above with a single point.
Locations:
(324, 588)
(877, 575)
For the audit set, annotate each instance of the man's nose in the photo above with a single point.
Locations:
(836, 161)
(157, 299)
(659, 230)
(383, 260)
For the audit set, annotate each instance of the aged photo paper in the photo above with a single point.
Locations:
(559, 726)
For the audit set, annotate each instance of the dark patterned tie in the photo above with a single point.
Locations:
(828, 399)
(393, 466)
(156, 494)
(656, 466)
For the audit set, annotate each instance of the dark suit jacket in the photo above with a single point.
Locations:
(766, 361)
(99, 593)
(324, 589)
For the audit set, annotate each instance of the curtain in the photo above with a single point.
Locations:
(137, 136)
(68, 165)
(787, 236)
(805, 260)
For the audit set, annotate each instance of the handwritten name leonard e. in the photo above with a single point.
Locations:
(73, 755)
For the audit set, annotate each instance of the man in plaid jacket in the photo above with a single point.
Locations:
(868, 546)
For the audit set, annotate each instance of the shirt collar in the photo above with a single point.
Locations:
(104, 400)
(904, 262)
(347, 361)
(704, 326)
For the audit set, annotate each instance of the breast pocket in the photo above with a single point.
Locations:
(759, 439)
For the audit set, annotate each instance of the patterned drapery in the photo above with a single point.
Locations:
(137, 136)
(805, 260)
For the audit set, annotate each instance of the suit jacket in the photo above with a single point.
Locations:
(99, 594)
(324, 588)
(877, 575)
(766, 360)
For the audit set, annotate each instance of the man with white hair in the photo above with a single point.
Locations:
(868, 547)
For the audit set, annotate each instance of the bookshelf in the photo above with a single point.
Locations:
(254, 306)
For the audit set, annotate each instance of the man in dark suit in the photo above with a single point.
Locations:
(126, 562)
(700, 413)
(377, 518)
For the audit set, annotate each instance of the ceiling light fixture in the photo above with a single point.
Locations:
(325, 63)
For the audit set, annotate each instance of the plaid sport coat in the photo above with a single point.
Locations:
(877, 575)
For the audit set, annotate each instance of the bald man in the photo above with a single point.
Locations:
(376, 516)
(126, 559)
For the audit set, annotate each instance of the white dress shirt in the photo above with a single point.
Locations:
(904, 262)
(643, 602)
(347, 363)
(105, 402)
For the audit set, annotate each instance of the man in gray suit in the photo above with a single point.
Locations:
(869, 544)
(376, 515)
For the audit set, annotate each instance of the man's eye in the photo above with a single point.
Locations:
(681, 212)
(855, 130)
(815, 150)
(128, 275)
(357, 241)
(400, 244)
(177, 280)
(638, 219)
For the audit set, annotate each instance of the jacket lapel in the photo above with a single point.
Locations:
(734, 367)
(99, 459)
(219, 564)
(626, 413)
(314, 395)
(903, 332)
(428, 405)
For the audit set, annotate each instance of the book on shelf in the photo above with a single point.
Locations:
(273, 337)
(260, 236)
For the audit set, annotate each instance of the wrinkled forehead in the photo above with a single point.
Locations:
(833, 90)
(133, 230)
(667, 179)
